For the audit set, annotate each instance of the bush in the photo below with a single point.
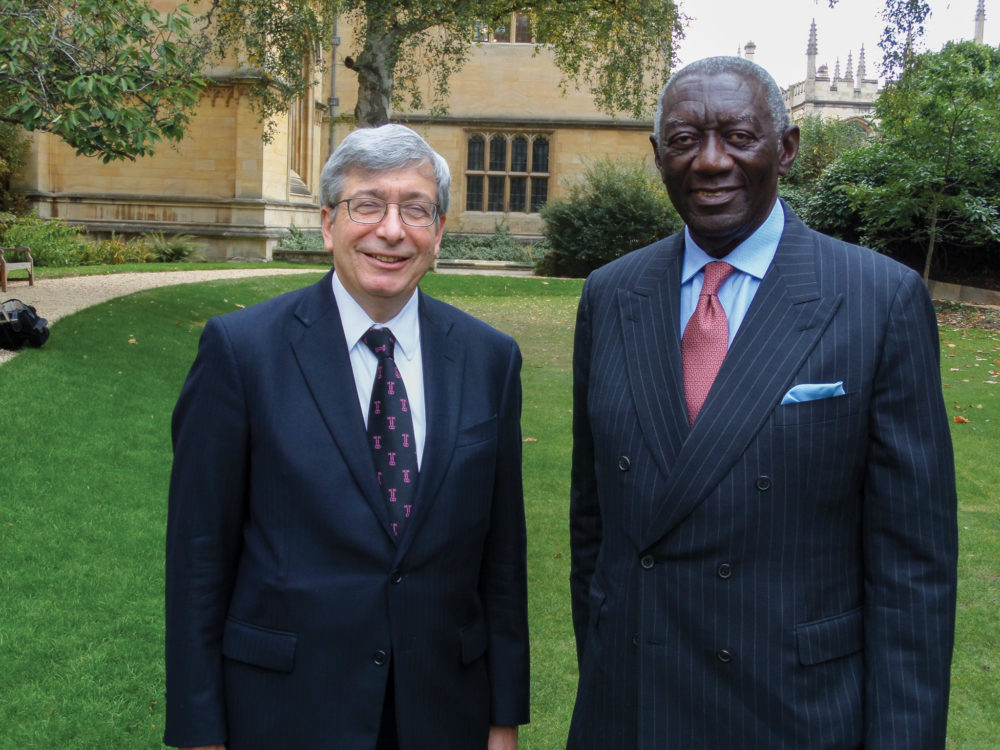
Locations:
(52, 242)
(297, 241)
(174, 249)
(617, 207)
(497, 246)
(115, 251)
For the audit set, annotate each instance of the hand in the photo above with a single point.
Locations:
(502, 738)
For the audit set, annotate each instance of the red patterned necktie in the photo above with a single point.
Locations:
(705, 340)
(390, 430)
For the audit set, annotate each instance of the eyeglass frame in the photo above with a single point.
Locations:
(435, 214)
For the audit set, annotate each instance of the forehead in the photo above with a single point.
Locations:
(416, 181)
(706, 99)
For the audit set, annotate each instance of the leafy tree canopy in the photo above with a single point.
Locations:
(932, 178)
(110, 77)
(621, 50)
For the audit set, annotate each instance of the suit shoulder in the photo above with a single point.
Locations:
(849, 260)
(638, 264)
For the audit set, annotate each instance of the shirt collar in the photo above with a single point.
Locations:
(405, 326)
(752, 256)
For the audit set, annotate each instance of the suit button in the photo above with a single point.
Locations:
(724, 656)
(725, 570)
(647, 562)
(624, 463)
(379, 658)
(397, 577)
(763, 483)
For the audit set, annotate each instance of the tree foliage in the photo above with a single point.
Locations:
(931, 181)
(110, 77)
(941, 141)
(904, 26)
(621, 51)
(821, 143)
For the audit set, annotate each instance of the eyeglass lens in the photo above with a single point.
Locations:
(373, 210)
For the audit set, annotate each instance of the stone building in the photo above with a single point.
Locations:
(850, 96)
(511, 136)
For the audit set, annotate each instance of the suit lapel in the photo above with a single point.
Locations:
(443, 365)
(649, 313)
(784, 322)
(322, 355)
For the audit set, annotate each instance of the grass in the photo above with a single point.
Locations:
(82, 509)
(60, 272)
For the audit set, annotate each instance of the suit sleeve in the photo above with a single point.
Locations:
(204, 526)
(504, 577)
(584, 513)
(909, 535)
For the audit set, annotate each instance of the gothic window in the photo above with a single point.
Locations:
(515, 28)
(507, 172)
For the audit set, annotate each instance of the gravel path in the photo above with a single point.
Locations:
(56, 298)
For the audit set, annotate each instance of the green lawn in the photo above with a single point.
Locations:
(86, 456)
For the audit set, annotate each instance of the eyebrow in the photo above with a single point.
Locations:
(416, 195)
(677, 122)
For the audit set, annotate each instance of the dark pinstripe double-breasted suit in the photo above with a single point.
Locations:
(776, 576)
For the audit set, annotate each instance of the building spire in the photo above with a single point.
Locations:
(811, 49)
(980, 21)
(861, 64)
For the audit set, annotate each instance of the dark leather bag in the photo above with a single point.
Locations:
(20, 325)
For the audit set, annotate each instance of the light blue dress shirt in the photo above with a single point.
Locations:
(750, 259)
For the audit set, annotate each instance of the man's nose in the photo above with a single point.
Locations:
(391, 228)
(712, 156)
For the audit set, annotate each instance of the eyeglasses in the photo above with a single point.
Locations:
(373, 210)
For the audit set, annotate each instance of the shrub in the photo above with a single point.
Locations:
(174, 249)
(617, 207)
(297, 241)
(497, 246)
(115, 251)
(52, 242)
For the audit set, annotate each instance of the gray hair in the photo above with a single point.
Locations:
(740, 66)
(382, 149)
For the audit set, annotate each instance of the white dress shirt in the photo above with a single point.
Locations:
(405, 327)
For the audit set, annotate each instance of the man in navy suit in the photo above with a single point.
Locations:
(301, 610)
(769, 561)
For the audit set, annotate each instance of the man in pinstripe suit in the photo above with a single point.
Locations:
(779, 570)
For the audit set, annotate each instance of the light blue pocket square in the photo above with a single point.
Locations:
(813, 392)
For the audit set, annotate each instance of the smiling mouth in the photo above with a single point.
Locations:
(718, 193)
(385, 258)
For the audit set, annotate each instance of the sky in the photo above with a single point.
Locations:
(780, 29)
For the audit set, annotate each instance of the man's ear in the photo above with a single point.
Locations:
(788, 149)
(326, 226)
(656, 153)
(440, 234)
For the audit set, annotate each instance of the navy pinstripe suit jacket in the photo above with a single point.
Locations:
(777, 576)
(287, 596)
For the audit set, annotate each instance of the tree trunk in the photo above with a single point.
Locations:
(374, 67)
(931, 239)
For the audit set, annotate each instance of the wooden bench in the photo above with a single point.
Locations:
(16, 259)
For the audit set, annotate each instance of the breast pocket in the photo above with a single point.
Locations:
(477, 433)
(820, 410)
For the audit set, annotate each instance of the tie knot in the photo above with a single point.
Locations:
(716, 273)
(380, 341)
